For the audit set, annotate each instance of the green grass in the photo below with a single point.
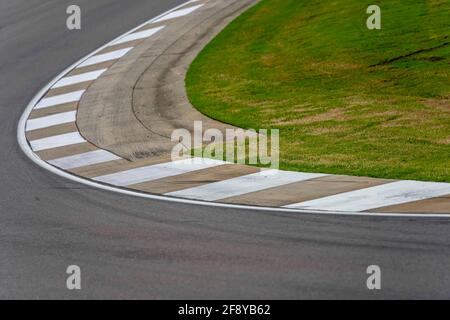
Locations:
(313, 70)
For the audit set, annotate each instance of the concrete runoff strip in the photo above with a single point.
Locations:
(159, 171)
(84, 77)
(376, 197)
(84, 159)
(57, 141)
(53, 120)
(60, 99)
(144, 129)
(243, 185)
(114, 55)
(138, 35)
(178, 13)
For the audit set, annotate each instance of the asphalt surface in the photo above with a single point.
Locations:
(136, 248)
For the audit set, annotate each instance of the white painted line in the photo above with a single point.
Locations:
(114, 55)
(84, 77)
(158, 171)
(377, 197)
(243, 185)
(53, 120)
(57, 141)
(84, 159)
(178, 13)
(138, 35)
(60, 99)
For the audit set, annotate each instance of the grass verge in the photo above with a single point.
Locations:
(347, 100)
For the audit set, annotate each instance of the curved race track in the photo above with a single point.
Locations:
(136, 248)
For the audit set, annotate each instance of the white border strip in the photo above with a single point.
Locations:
(157, 171)
(23, 143)
(84, 77)
(84, 159)
(52, 120)
(105, 57)
(381, 196)
(179, 13)
(243, 185)
(139, 35)
(52, 142)
(59, 99)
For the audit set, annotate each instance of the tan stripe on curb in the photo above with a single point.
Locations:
(194, 179)
(38, 113)
(52, 131)
(125, 45)
(304, 191)
(68, 89)
(66, 151)
(116, 166)
(435, 205)
(94, 67)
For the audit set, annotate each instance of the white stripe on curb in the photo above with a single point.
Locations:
(114, 55)
(53, 120)
(57, 141)
(60, 99)
(243, 185)
(377, 197)
(158, 171)
(88, 76)
(84, 159)
(178, 13)
(138, 35)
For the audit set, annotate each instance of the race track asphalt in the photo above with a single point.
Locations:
(137, 248)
